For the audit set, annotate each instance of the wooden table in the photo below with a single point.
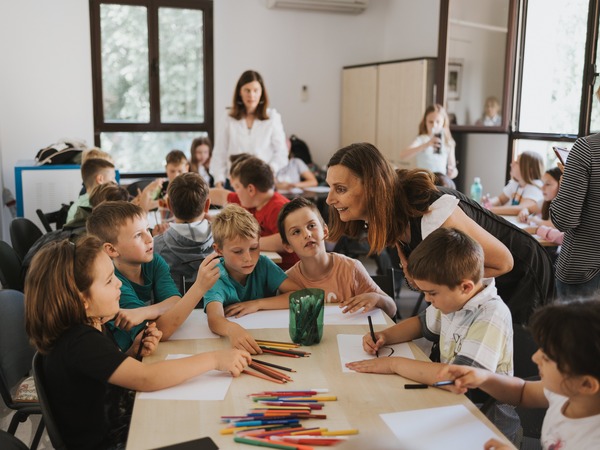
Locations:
(525, 227)
(361, 397)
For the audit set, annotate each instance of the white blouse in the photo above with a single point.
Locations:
(266, 140)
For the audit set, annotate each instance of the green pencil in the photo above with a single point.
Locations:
(262, 443)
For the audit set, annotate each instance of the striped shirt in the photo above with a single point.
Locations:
(576, 211)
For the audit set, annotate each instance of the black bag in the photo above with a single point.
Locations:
(59, 153)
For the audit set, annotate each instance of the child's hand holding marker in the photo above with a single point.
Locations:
(372, 342)
(464, 377)
(146, 341)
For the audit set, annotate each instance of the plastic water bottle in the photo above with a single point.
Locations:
(476, 190)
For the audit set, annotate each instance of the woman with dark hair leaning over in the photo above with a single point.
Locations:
(400, 208)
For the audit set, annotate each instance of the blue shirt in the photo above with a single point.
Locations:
(263, 282)
(158, 286)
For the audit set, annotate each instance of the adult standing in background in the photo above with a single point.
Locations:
(576, 211)
(250, 127)
(402, 208)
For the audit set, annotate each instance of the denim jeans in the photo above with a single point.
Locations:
(589, 289)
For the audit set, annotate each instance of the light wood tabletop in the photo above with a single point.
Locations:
(361, 398)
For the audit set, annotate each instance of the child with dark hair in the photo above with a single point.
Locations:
(468, 319)
(344, 280)
(254, 185)
(568, 336)
(188, 239)
(94, 171)
(200, 154)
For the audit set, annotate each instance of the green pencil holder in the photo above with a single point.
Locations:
(306, 316)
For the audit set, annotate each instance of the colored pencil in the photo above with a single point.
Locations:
(278, 343)
(273, 352)
(264, 377)
(291, 352)
(269, 372)
(276, 366)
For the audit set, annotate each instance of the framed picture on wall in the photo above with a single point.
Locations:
(454, 79)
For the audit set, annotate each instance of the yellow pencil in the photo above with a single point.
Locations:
(309, 432)
(323, 398)
(339, 432)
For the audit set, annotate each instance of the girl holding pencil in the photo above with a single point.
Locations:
(71, 291)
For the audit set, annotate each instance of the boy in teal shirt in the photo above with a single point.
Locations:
(248, 281)
(148, 291)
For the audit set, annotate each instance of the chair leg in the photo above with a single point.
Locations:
(38, 435)
(17, 418)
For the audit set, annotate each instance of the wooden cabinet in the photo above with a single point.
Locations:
(383, 104)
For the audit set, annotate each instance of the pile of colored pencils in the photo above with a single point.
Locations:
(276, 423)
(268, 371)
(281, 349)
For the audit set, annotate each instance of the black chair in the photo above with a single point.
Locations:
(58, 217)
(9, 442)
(11, 276)
(23, 234)
(51, 428)
(387, 283)
(140, 184)
(15, 361)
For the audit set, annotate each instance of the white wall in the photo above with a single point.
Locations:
(295, 48)
(46, 86)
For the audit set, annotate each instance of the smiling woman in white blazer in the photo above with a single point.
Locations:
(250, 127)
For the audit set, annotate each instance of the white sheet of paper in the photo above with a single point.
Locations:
(212, 385)
(351, 349)
(194, 327)
(448, 427)
(335, 316)
(280, 318)
(271, 318)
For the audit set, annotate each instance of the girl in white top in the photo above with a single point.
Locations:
(434, 147)
(568, 335)
(524, 189)
(250, 127)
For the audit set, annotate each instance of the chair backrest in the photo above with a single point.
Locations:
(23, 234)
(44, 220)
(140, 184)
(386, 282)
(11, 276)
(15, 350)
(58, 217)
(40, 379)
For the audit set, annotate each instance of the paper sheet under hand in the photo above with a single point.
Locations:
(335, 316)
(212, 385)
(194, 327)
(448, 427)
(351, 349)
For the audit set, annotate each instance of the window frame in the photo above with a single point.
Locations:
(154, 124)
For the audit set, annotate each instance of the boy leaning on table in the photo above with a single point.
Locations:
(344, 279)
(248, 281)
(148, 291)
(471, 322)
